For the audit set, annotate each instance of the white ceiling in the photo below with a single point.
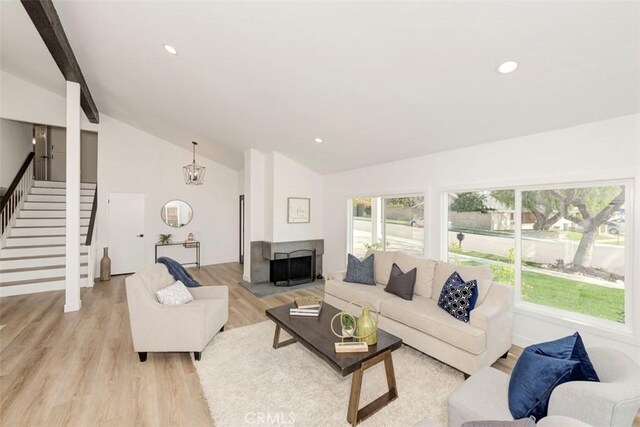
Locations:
(378, 81)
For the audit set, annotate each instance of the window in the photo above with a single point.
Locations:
(361, 226)
(481, 231)
(573, 249)
(571, 242)
(387, 223)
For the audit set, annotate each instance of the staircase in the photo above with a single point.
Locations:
(32, 255)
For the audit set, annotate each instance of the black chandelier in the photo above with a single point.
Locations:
(193, 172)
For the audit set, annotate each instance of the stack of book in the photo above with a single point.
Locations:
(306, 307)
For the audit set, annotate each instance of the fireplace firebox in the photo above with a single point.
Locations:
(293, 268)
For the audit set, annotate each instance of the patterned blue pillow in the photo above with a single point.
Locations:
(360, 271)
(458, 297)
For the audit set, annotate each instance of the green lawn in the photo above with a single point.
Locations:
(611, 239)
(572, 295)
(567, 294)
(569, 235)
(483, 232)
(499, 258)
(387, 220)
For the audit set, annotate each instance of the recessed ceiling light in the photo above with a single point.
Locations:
(507, 67)
(318, 140)
(172, 50)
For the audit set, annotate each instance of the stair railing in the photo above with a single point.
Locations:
(16, 195)
(92, 220)
(91, 250)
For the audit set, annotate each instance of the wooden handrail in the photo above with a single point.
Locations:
(92, 221)
(16, 180)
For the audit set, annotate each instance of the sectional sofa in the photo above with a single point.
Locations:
(422, 324)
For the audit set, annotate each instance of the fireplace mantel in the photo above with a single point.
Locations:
(270, 248)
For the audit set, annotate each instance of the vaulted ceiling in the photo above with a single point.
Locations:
(377, 81)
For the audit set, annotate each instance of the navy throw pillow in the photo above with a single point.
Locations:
(360, 271)
(569, 348)
(401, 284)
(533, 379)
(458, 297)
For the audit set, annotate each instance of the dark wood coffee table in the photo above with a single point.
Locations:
(315, 334)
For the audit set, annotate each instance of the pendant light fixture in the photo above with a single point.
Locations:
(194, 173)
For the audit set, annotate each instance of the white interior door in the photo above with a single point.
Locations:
(126, 232)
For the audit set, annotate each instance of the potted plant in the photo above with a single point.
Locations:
(348, 323)
(164, 239)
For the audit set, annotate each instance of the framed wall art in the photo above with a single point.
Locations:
(299, 210)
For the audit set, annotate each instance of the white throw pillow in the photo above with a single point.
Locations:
(382, 263)
(174, 294)
(426, 268)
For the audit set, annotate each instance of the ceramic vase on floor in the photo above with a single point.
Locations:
(105, 266)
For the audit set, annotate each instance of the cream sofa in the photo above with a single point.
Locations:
(187, 327)
(425, 326)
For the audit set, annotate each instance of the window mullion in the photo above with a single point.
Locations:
(382, 222)
(517, 234)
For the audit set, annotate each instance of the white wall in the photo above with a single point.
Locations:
(24, 101)
(269, 180)
(291, 179)
(130, 160)
(603, 150)
(16, 142)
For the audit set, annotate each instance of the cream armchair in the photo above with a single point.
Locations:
(612, 402)
(163, 328)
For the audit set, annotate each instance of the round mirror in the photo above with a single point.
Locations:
(176, 213)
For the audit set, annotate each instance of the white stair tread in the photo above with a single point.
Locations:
(41, 236)
(16, 258)
(42, 226)
(53, 245)
(46, 267)
(35, 281)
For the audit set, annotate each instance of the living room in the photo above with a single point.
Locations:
(349, 148)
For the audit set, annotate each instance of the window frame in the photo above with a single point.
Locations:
(386, 195)
(624, 332)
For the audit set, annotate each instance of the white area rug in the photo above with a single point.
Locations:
(247, 382)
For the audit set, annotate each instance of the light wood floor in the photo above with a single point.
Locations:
(79, 369)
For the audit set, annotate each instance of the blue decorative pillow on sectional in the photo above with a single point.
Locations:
(360, 271)
(569, 348)
(533, 379)
(458, 297)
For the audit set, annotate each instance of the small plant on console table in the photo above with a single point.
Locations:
(164, 239)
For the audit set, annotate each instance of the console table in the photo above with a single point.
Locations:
(187, 245)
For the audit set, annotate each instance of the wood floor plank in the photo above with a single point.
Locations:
(79, 369)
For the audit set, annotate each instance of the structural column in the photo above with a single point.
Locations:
(254, 207)
(72, 296)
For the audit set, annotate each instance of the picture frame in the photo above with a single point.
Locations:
(298, 210)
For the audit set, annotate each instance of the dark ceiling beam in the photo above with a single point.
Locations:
(45, 18)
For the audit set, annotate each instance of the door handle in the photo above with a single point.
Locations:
(140, 235)
(44, 157)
